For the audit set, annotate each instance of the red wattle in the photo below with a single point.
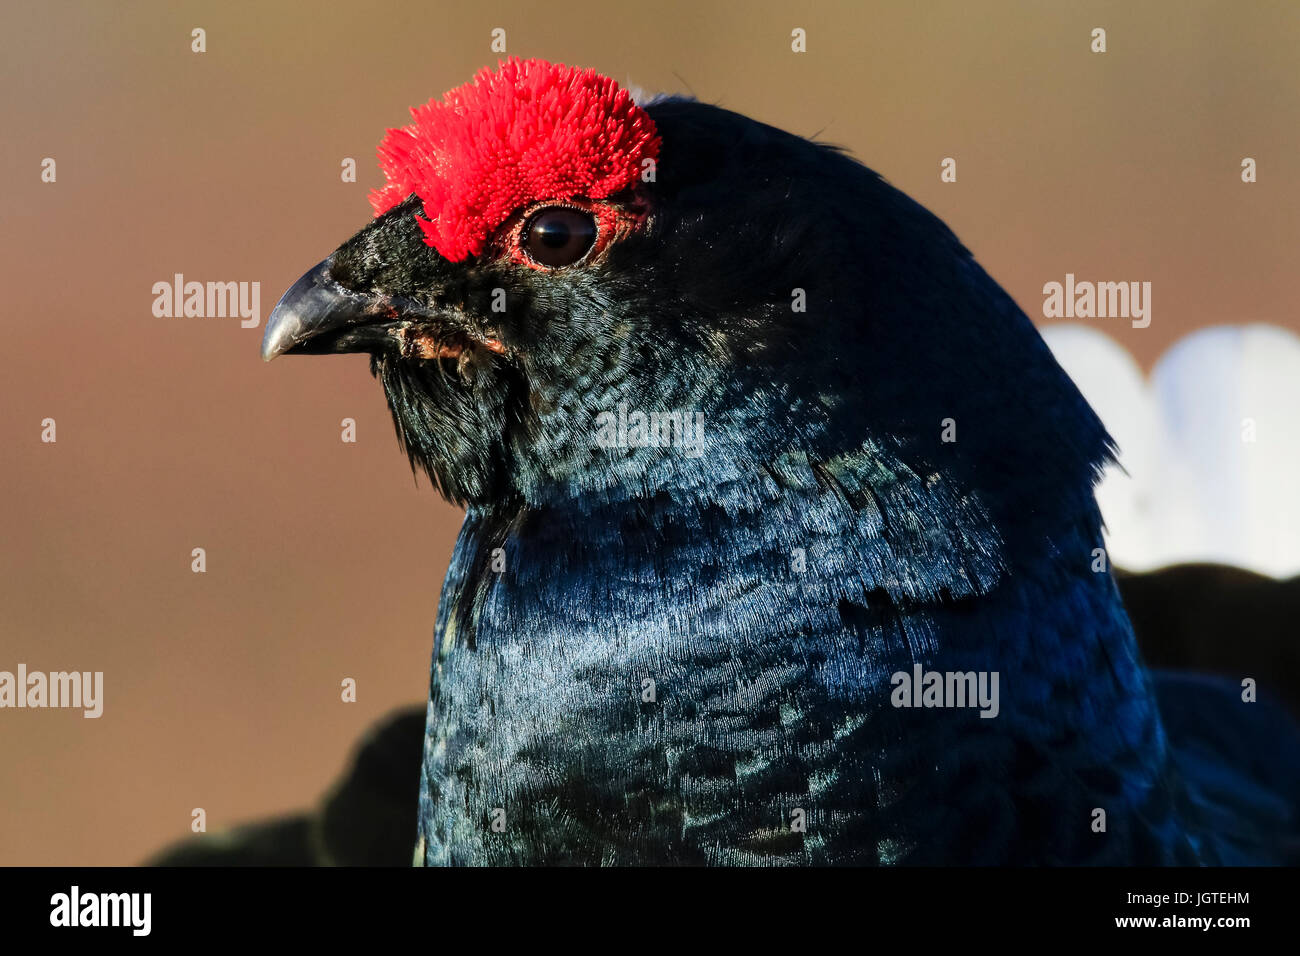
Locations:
(528, 131)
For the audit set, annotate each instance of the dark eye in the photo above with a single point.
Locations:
(558, 236)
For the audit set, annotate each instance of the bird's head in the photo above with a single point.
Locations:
(549, 258)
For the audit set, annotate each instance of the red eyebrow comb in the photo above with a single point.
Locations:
(527, 131)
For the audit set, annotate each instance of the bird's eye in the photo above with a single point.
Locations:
(559, 236)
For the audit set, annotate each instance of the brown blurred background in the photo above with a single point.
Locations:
(324, 559)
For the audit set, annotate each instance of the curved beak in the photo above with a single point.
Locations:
(318, 316)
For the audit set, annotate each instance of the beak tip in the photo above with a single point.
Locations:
(273, 344)
(288, 325)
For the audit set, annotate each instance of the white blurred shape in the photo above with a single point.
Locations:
(1198, 487)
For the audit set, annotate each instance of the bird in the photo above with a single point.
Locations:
(780, 543)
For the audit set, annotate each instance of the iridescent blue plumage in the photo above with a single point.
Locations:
(828, 538)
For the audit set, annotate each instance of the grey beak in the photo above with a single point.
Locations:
(317, 315)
